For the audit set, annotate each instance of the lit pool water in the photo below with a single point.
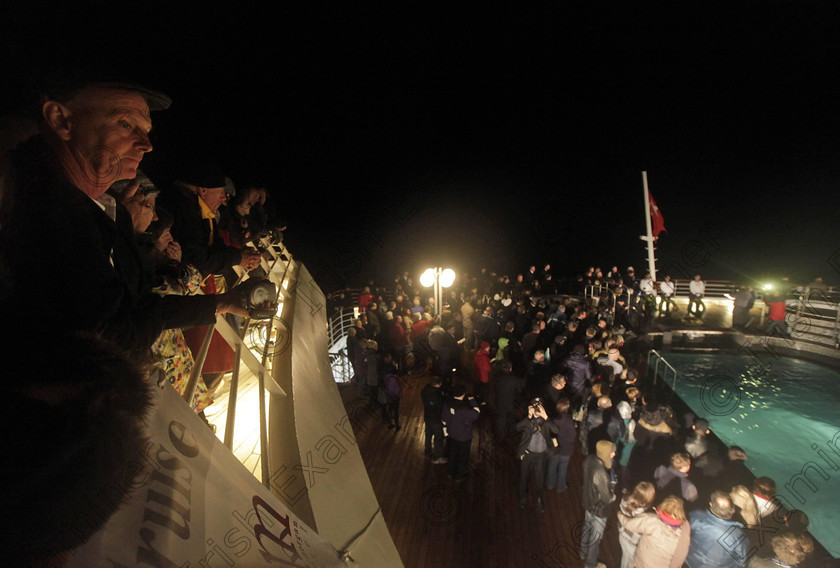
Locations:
(784, 413)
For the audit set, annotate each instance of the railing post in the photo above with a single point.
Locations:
(198, 364)
(230, 421)
(264, 466)
(837, 327)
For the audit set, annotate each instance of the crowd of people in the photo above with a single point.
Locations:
(552, 372)
(118, 269)
(130, 269)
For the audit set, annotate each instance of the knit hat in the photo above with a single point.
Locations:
(624, 410)
(604, 450)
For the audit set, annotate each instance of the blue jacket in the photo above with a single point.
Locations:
(716, 542)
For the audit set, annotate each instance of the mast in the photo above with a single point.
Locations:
(649, 236)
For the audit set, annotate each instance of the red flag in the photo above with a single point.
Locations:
(656, 218)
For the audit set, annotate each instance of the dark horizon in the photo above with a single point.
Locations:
(402, 136)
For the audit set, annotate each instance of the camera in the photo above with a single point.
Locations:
(259, 297)
(536, 405)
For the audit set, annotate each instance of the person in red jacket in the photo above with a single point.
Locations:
(365, 298)
(482, 365)
(776, 325)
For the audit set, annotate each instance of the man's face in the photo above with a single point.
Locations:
(109, 132)
(213, 197)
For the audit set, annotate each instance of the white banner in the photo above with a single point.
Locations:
(194, 504)
(325, 478)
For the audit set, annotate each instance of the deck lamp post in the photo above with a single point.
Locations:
(439, 278)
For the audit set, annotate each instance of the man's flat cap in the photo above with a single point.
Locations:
(62, 85)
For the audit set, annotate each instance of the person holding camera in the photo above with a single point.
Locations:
(535, 445)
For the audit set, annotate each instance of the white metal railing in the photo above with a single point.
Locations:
(277, 269)
(814, 315)
(595, 293)
(340, 359)
(660, 361)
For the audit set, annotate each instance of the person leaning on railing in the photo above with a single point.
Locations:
(68, 249)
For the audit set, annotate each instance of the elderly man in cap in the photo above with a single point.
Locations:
(194, 203)
(70, 269)
(68, 250)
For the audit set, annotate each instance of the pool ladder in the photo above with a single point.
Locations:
(666, 366)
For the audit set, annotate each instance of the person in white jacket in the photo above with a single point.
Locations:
(696, 291)
(667, 289)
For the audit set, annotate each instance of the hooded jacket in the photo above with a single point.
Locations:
(597, 493)
(662, 545)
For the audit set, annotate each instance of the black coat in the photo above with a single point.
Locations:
(432, 403)
(57, 258)
(193, 234)
(529, 427)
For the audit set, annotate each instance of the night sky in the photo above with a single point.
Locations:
(399, 135)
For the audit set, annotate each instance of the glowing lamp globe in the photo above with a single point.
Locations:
(427, 279)
(447, 277)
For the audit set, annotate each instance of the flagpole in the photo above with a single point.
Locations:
(649, 236)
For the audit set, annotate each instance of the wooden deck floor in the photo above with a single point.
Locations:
(437, 522)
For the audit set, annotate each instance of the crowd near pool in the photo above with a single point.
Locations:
(784, 413)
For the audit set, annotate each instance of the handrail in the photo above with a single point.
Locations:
(337, 328)
(230, 421)
(277, 270)
(589, 292)
(661, 359)
(814, 316)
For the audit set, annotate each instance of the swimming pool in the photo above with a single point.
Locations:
(784, 413)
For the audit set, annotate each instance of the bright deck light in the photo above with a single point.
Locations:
(447, 277)
(427, 279)
(439, 278)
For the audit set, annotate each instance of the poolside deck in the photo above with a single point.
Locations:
(434, 521)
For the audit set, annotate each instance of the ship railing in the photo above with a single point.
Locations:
(252, 341)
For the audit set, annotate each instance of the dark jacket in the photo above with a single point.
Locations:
(507, 388)
(578, 370)
(597, 494)
(529, 427)
(669, 481)
(432, 403)
(57, 266)
(604, 424)
(566, 434)
(374, 373)
(709, 547)
(458, 416)
(193, 234)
